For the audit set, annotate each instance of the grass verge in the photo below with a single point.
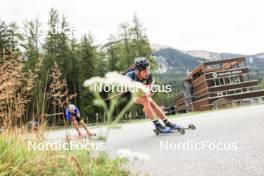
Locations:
(17, 160)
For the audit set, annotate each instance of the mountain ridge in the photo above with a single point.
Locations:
(171, 59)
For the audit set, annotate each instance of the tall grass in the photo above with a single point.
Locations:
(57, 96)
(17, 160)
(16, 89)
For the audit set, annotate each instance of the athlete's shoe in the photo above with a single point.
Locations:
(162, 129)
(173, 126)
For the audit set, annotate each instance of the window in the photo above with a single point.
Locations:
(238, 91)
(227, 81)
(211, 83)
(241, 78)
(231, 92)
(237, 79)
(221, 80)
(232, 80)
(219, 94)
(217, 82)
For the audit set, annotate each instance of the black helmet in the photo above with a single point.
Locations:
(141, 63)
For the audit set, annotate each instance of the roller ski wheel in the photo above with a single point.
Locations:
(192, 126)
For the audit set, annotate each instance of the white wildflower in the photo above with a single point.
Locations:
(117, 79)
(95, 83)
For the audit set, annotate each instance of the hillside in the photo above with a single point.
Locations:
(171, 60)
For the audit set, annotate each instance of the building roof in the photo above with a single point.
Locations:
(224, 60)
(200, 67)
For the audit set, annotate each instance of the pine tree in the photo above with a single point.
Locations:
(10, 38)
(88, 61)
(4, 39)
(32, 42)
(15, 37)
(131, 42)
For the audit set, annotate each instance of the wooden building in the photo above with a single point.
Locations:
(229, 80)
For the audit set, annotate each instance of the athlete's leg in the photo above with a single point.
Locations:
(86, 129)
(158, 111)
(75, 124)
(162, 115)
(147, 107)
(145, 101)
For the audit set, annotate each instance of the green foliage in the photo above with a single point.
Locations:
(10, 38)
(32, 42)
(12, 157)
(129, 43)
(16, 159)
(78, 60)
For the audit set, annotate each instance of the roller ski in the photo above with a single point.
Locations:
(161, 129)
(173, 128)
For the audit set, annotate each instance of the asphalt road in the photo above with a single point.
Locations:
(227, 142)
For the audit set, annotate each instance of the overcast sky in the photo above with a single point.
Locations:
(221, 26)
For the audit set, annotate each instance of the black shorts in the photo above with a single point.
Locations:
(77, 118)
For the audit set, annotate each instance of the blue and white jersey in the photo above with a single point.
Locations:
(69, 114)
(134, 77)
